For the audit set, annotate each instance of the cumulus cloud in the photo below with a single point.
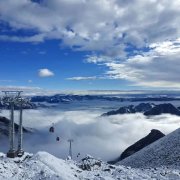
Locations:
(107, 25)
(104, 137)
(45, 73)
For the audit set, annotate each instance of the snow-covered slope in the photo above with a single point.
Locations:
(47, 167)
(164, 152)
(40, 166)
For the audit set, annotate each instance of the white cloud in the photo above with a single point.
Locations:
(45, 73)
(110, 29)
(33, 39)
(6, 80)
(30, 81)
(104, 25)
(11, 88)
(102, 137)
(27, 90)
(42, 52)
(158, 67)
(82, 78)
(98, 59)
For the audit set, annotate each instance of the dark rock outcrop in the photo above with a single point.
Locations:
(68, 98)
(123, 110)
(163, 108)
(149, 109)
(4, 126)
(142, 107)
(153, 136)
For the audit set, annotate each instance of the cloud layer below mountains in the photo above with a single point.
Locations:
(104, 137)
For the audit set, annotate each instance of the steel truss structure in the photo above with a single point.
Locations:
(12, 99)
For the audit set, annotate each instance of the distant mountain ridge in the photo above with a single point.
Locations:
(67, 98)
(163, 108)
(37, 101)
(148, 109)
(62, 98)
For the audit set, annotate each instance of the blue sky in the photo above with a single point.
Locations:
(90, 45)
(20, 63)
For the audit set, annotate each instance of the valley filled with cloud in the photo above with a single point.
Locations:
(100, 136)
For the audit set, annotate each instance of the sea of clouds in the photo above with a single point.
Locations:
(102, 137)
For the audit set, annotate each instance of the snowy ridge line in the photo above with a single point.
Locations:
(163, 152)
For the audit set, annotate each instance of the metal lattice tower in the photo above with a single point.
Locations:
(11, 98)
(70, 147)
(20, 102)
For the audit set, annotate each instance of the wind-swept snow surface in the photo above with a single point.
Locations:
(40, 166)
(47, 167)
(164, 152)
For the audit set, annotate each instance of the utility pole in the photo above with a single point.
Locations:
(70, 147)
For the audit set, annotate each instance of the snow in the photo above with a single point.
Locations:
(46, 166)
(159, 160)
(164, 152)
(39, 166)
(57, 166)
